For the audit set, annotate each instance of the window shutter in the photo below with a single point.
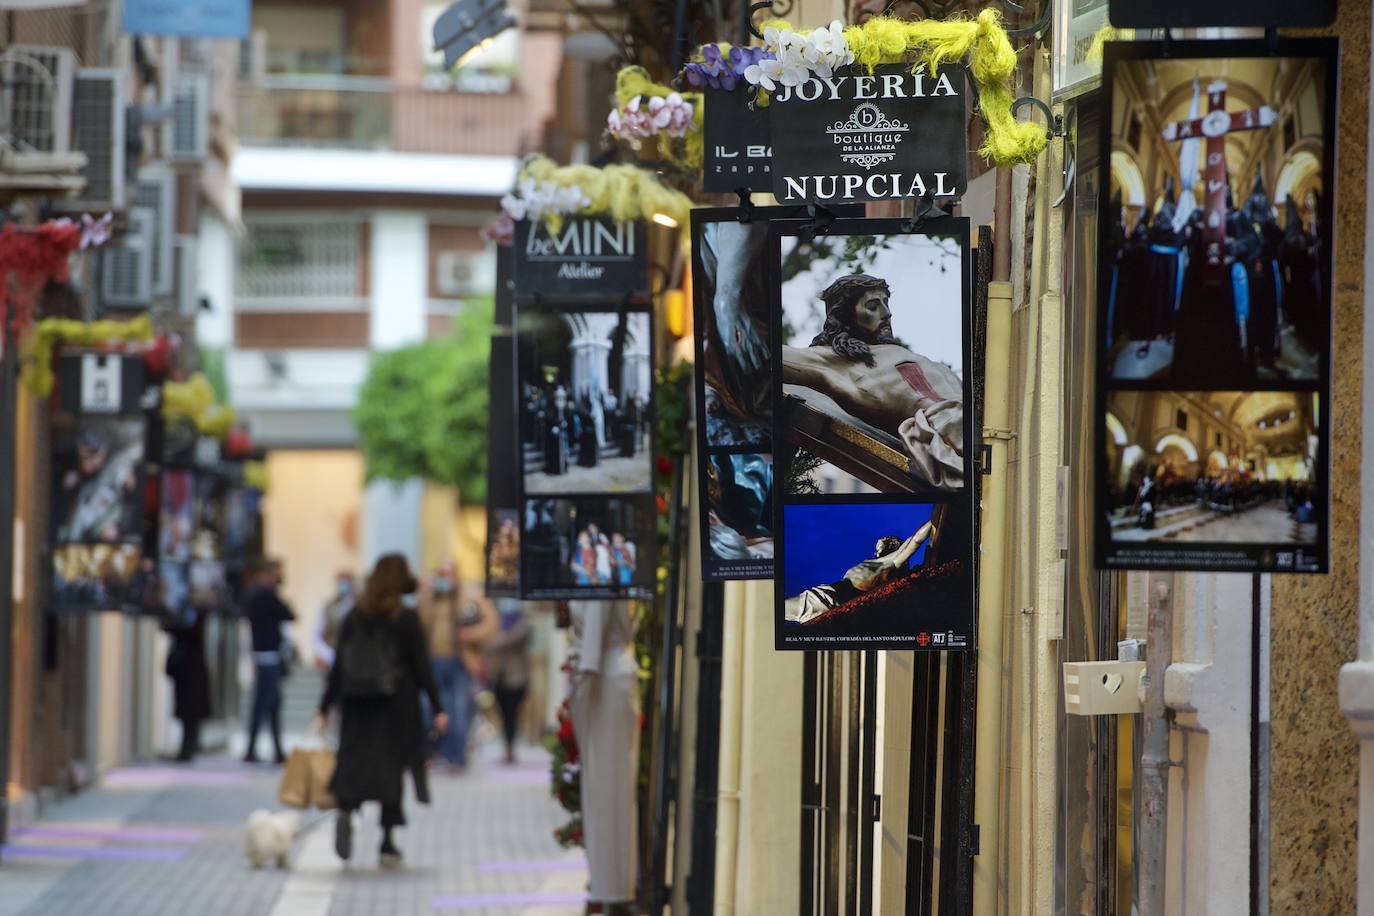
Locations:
(98, 103)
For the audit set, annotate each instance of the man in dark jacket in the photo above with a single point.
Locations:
(266, 612)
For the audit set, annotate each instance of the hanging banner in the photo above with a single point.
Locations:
(503, 474)
(732, 294)
(98, 500)
(1076, 24)
(1189, 14)
(585, 258)
(736, 150)
(1214, 306)
(585, 377)
(858, 136)
(874, 509)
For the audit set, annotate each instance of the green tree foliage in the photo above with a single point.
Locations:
(422, 412)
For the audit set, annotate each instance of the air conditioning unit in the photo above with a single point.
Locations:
(461, 274)
(36, 98)
(99, 99)
(126, 266)
(156, 189)
(187, 286)
(188, 137)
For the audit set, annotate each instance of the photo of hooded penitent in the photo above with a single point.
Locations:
(1216, 260)
(872, 363)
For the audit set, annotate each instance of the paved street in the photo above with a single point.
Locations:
(161, 839)
(1269, 523)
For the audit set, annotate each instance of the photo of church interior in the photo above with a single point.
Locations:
(1221, 466)
(1216, 272)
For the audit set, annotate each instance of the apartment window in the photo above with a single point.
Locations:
(307, 259)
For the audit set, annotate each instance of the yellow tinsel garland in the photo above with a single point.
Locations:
(194, 399)
(632, 82)
(624, 192)
(48, 333)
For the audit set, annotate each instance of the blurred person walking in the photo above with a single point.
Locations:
(190, 677)
(381, 668)
(325, 640)
(266, 613)
(508, 668)
(457, 623)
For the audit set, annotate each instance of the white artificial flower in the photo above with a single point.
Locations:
(762, 73)
(516, 207)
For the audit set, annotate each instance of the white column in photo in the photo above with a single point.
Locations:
(591, 352)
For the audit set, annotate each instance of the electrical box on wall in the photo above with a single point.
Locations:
(1102, 688)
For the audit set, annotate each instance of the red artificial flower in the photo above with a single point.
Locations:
(665, 465)
(661, 504)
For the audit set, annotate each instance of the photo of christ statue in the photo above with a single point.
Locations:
(864, 571)
(872, 363)
(1215, 267)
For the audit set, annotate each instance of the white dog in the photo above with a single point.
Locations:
(268, 836)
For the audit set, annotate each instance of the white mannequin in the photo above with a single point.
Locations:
(605, 715)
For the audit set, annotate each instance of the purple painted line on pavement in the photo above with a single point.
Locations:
(147, 776)
(532, 866)
(96, 853)
(60, 831)
(474, 901)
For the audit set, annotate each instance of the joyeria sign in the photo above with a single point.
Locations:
(861, 136)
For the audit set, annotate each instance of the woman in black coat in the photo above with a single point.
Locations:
(381, 665)
(190, 678)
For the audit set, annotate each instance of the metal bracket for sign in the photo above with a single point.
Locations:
(819, 221)
(985, 459)
(746, 206)
(926, 209)
(1054, 124)
(1271, 38)
(754, 8)
(1037, 28)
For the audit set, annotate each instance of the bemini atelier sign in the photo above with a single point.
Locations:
(854, 136)
(583, 258)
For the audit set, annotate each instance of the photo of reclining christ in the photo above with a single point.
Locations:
(872, 363)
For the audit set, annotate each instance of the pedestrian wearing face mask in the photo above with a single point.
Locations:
(326, 639)
(458, 622)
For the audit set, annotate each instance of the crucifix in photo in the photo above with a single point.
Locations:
(1215, 126)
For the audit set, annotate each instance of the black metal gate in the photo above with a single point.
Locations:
(841, 802)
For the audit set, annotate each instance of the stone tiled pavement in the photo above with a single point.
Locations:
(484, 847)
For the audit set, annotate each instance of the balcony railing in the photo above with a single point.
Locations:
(372, 114)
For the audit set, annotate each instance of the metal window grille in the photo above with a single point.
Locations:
(36, 97)
(98, 102)
(300, 260)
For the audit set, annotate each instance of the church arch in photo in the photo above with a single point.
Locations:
(1175, 441)
(1117, 431)
(1126, 176)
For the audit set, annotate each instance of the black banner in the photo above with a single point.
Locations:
(1189, 14)
(98, 501)
(874, 509)
(737, 153)
(585, 259)
(503, 474)
(1214, 306)
(858, 136)
(585, 388)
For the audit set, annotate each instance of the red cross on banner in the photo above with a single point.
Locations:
(1214, 126)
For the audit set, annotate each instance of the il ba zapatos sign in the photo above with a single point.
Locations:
(584, 258)
(736, 154)
(861, 136)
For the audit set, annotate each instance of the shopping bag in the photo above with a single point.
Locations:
(321, 764)
(294, 789)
